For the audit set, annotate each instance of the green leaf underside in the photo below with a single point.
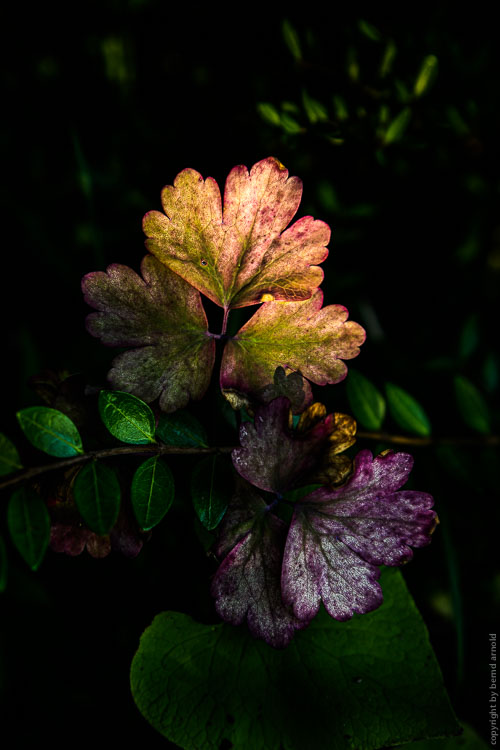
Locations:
(182, 429)
(50, 431)
(29, 525)
(366, 401)
(97, 496)
(211, 489)
(152, 492)
(237, 253)
(406, 411)
(469, 740)
(127, 417)
(472, 405)
(3, 566)
(209, 686)
(9, 457)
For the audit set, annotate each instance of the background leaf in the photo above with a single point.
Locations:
(127, 417)
(29, 525)
(211, 489)
(9, 457)
(97, 495)
(152, 492)
(366, 401)
(406, 411)
(381, 661)
(51, 431)
(182, 429)
(3, 565)
(472, 405)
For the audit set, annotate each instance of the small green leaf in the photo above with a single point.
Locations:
(9, 457)
(469, 337)
(290, 124)
(97, 495)
(29, 525)
(211, 489)
(406, 411)
(340, 106)
(182, 429)
(292, 40)
(472, 405)
(3, 566)
(370, 31)
(269, 113)
(50, 431)
(426, 75)
(397, 127)
(127, 417)
(387, 58)
(315, 111)
(152, 492)
(366, 401)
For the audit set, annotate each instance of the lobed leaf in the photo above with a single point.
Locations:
(299, 336)
(29, 525)
(152, 492)
(97, 496)
(407, 411)
(243, 254)
(50, 431)
(9, 457)
(214, 686)
(366, 401)
(293, 386)
(338, 537)
(162, 316)
(211, 489)
(127, 417)
(182, 429)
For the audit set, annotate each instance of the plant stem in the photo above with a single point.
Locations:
(224, 321)
(384, 437)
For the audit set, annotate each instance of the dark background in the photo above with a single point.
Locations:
(103, 105)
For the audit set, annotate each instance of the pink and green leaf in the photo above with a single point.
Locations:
(163, 318)
(241, 253)
(298, 336)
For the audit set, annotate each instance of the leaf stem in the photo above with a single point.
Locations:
(224, 321)
(384, 437)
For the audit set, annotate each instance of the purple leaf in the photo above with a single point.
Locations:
(163, 317)
(247, 583)
(338, 536)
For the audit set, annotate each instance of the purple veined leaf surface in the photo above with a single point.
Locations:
(163, 318)
(240, 254)
(247, 582)
(337, 538)
(274, 457)
(300, 336)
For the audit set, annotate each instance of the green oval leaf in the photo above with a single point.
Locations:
(3, 566)
(9, 457)
(211, 489)
(182, 429)
(127, 417)
(50, 431)
(426, 75)
(152, 492)
(398, 126)
(233, 678)
(406, 411)
(366, 401)
(472, 405)
(29, 525)
(97, 495)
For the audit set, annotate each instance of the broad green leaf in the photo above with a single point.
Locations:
(163, 319)
(297, 336)
(127, 417)
(244, 254)
(426, 75)
(269, 113)
(406, 411)
(398, 126)
(9, 457)
(256, 697)
(3, 566)
(469, 740)
(29, 525)
(50, 430)
(366, 401)
(472, 405)
(152, 492)
(211, 489)
(97, 495)
(182, 429)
